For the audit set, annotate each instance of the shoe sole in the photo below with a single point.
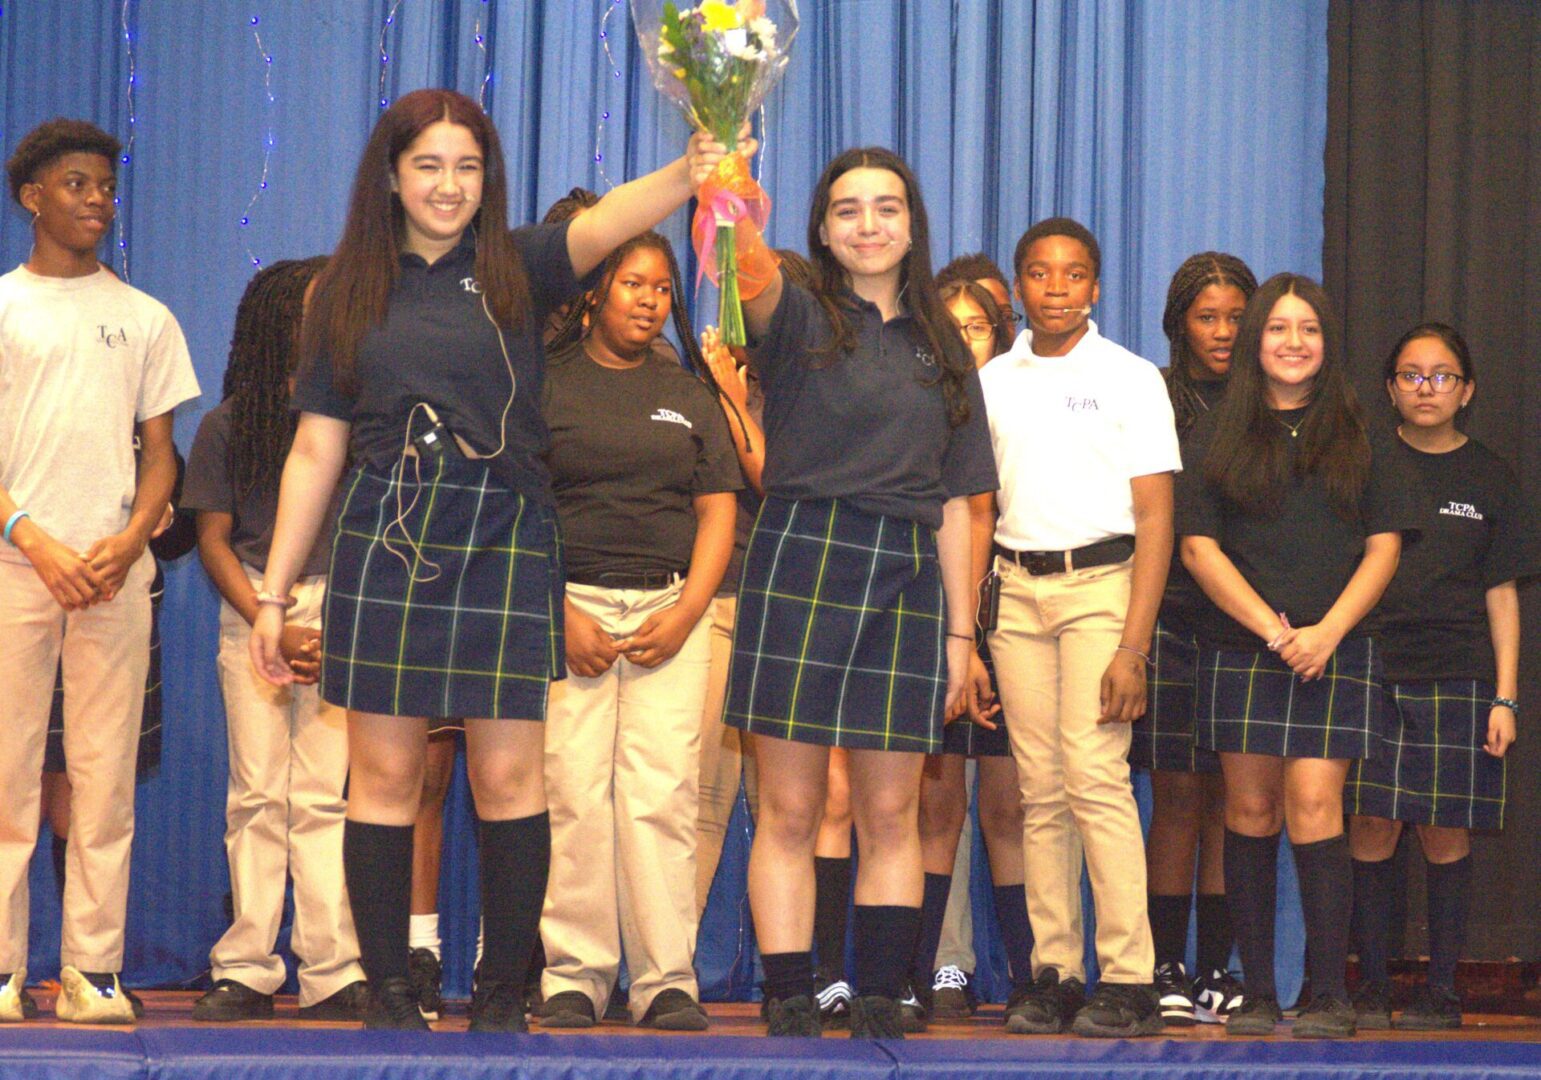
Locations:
(1178, 1017)
(952, 1014)
(567, 1020)
(1020, 1025)
(1373, 1021)
(1207, 1016)
(1311, 1030)
(693, 1021)
(1238, 1026)
(1090, 1029)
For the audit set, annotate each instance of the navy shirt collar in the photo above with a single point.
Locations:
(456, 256)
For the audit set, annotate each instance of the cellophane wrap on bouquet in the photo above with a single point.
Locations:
(717, 61)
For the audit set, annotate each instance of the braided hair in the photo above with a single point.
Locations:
(1196, 274)
(264, 351)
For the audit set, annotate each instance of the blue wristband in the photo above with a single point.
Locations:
(11, 521)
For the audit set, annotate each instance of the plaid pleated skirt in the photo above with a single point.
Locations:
(965, 737)
(444, 597)
(840, 630)
(1252, 703)
(1430, 767)
(1163, 739)
(148, 758)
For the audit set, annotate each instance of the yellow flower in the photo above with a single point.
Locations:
(720, 16)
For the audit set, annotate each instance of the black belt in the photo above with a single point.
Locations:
(613, 579)
(1115, 549)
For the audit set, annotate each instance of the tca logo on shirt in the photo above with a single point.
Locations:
(671, 417)
(110, 337)
(470, 284)
(1460, 509)
(1081, 404)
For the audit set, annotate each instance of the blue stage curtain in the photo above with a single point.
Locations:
(1167, 126)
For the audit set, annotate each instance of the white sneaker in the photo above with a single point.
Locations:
(12, 1010)
(82, 1002)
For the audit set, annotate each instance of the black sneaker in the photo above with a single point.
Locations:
(952, 994)
(1119, 1011)
(1327, 1017)
(228, 1001)
(795, 1017)
(349, 1003)
(912, 1012)
(1216, 996)
(426, 974)
(569, 1009)
(674, 1010)
(393, 1006)
(834, 1000)
(874, 1016)
(1044, 1006)
(1433, 1008)
(497, 1005)
(1372, 1007)
(1176, 995)
(1257, 1015)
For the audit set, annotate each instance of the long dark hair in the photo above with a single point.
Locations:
(264, 351)
(1250, 459)
(831, 281)
(1196, 274)
(352, 292)
(986, 303)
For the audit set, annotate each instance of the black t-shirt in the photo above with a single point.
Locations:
(748, 498)
(210, 488)
(869, 427)
(1301, 554)
(1432, 622)
(1183, 603)
(630, 449)
(438, 345)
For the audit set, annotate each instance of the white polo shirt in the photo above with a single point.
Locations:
(1069, 432)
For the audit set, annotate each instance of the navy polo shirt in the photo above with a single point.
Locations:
(869, 427)
(437, 345)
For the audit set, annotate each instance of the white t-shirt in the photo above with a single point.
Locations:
(81, 361)
(1069, 433)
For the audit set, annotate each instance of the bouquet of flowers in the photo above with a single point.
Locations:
(717, 61)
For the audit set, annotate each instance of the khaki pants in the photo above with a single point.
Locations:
(622, 759)
(105, 653)
(725, 756)
(284, 812)
(1055, 638)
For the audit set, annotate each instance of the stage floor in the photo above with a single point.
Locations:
(167, 1045)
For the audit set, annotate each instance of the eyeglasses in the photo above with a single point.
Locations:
(976, 330)
(1441, 382)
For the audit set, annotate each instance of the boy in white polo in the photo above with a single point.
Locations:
(1085, 446)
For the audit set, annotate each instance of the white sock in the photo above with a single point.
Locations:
(423, 933)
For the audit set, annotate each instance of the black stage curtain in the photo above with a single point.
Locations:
(1433, 211)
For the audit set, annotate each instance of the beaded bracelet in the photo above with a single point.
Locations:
(1508, 703)
(1137, 652)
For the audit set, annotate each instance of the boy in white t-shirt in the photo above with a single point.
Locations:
(1085, 447)
(84, 358)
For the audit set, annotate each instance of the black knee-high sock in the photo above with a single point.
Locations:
(787, 975)
(832, 902)
(933, 911)
(1449, 889)
(377, 862)
(1215, 936)
(61, 848)
(880, 968)
(1169, 926)
(1327, 901)
(1373, 885)
(1016, 932)
(1251, 886)
(515, 858)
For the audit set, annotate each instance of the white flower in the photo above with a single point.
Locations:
(765, 30)
(736, 40)
(749, 53)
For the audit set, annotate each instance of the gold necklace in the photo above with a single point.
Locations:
(1293, 429)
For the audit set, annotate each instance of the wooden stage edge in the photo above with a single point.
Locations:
(173, 1008)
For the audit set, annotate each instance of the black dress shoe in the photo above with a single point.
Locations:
(674, 1010)
(351, 1003)
(393, 1006)
(569, 1009)
(229, 1001)
(498, 1006)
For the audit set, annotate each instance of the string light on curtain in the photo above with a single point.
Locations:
(481, 43)
(615, 72)
(385, 57)
(267, 135)
(125, 25)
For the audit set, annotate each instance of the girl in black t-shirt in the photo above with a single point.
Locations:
(1204, 305)
(1294, 536)
(645, 475)
(875, 436)
(422, 356)
(1449, 630)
